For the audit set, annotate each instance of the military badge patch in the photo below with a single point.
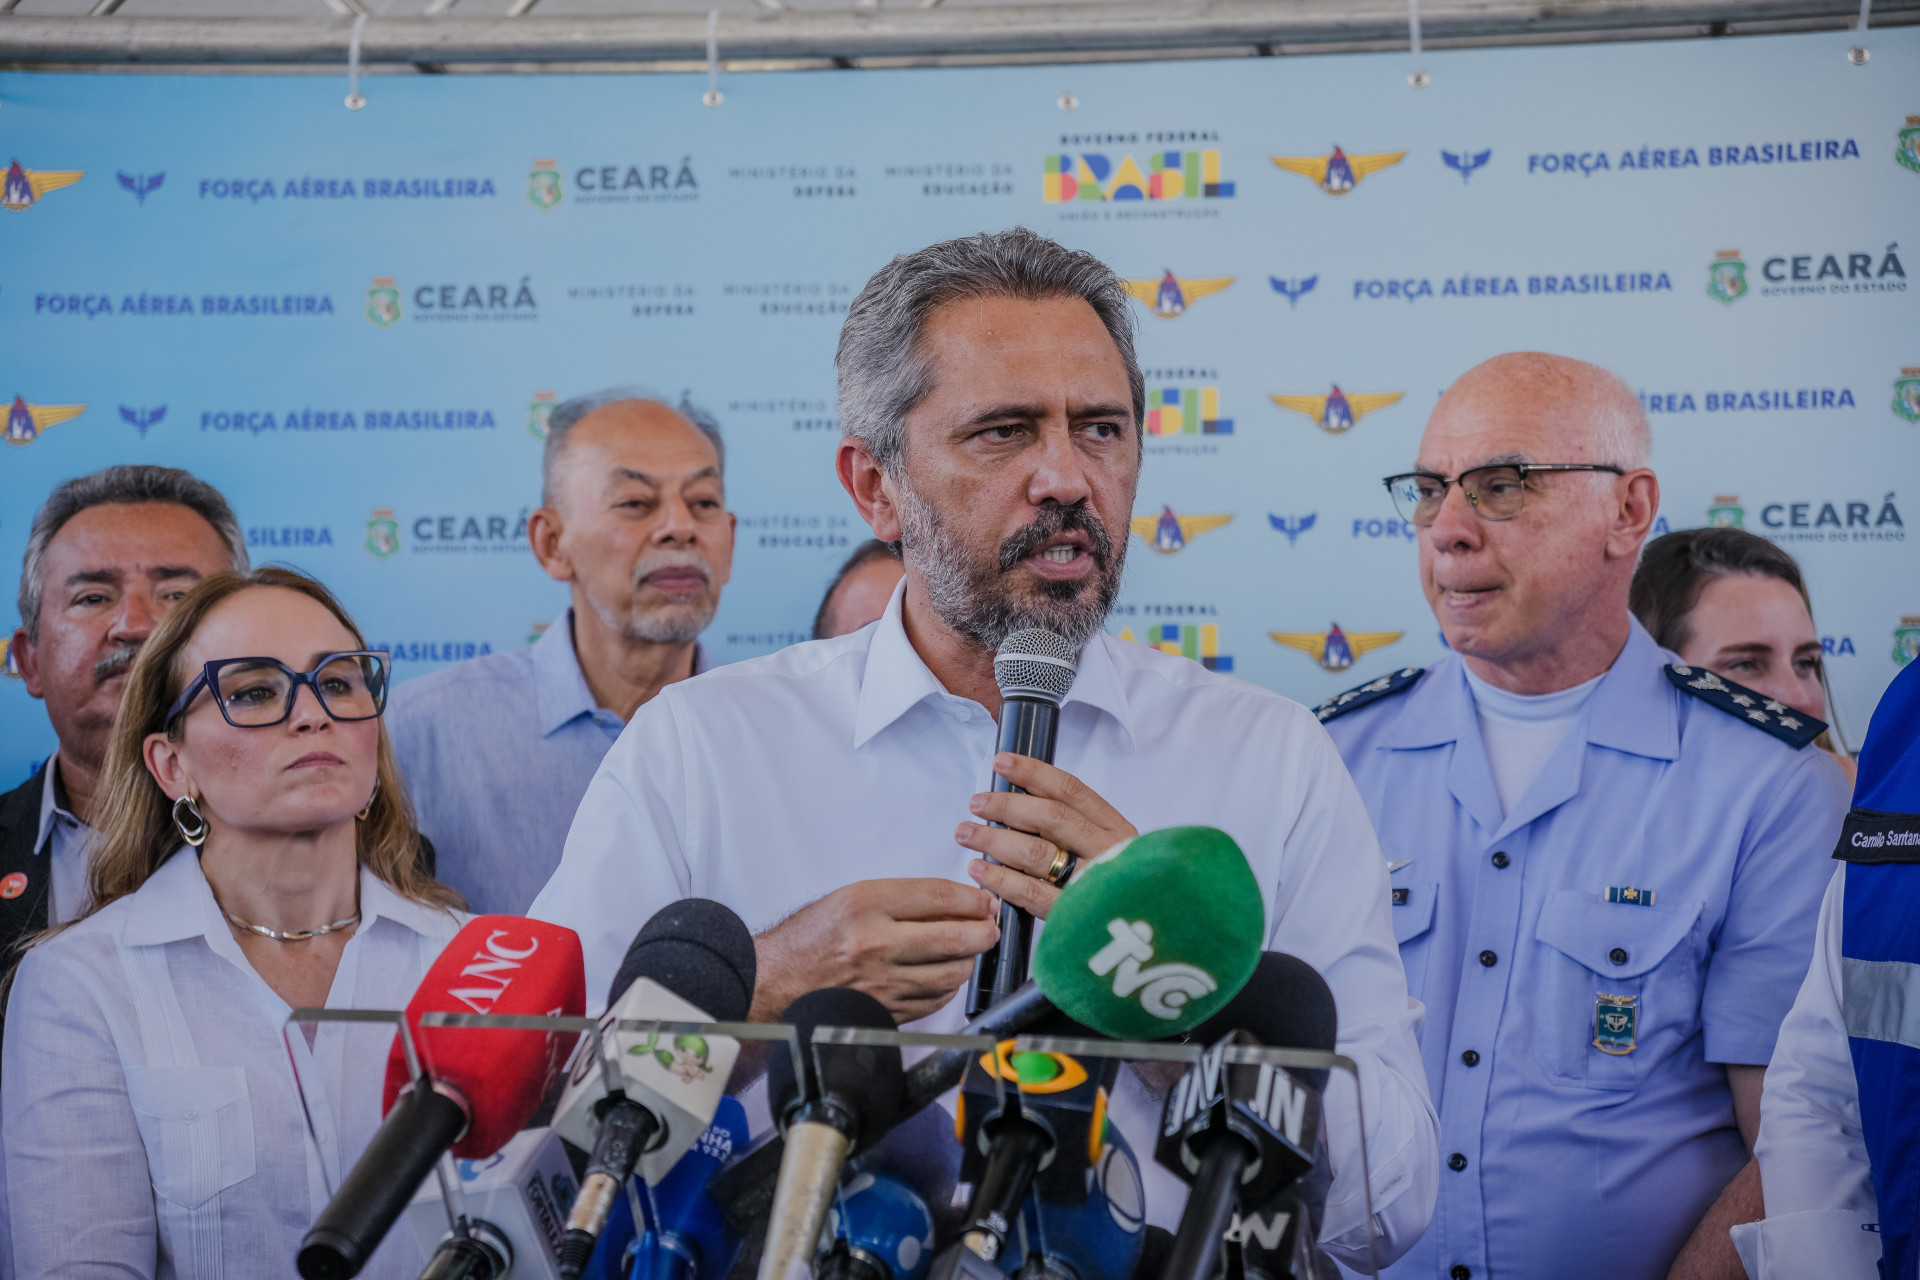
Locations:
(1795, 728)
(1615, 1021)
(1630, 896)
(1400, 897)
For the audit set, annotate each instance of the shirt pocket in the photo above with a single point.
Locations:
(1605, 949)
(1413, 907)
(197, 1123)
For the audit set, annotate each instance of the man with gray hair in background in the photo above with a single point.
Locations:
(107, 556)
(836, 794)
(498, 750)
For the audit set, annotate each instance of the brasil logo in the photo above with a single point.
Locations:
(538, 412)
(1199, 641)
(1170, 175)
(1726, 512)
(383, 534)
(1338, 173)
(1169, 534)
(26, 422)
(24, 187)
(1727, 277)
(1170, 296)
(1908, 152)
(543, 184)
(1906, 393)
(383, 303)
(1186, 411)
(1334, 649)
(1337, 412)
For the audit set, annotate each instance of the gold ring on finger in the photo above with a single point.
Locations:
(1062, 868)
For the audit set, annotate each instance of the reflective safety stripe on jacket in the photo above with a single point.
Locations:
(1880, 979)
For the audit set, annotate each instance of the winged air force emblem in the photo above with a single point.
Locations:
(1337, 411)
(1168, 533)
(1334, 649)
(1170, 296)
(1338, 173)
(27, 422)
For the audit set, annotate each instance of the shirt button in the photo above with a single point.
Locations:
(1618, 955)
(1489, 959)
(190, 1114)
(1471, 1057)
(1461, 1273)
(1501, 860)
(1456, 1162)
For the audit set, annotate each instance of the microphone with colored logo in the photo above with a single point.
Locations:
(882, 1230)
(686, 1237)
(1034, 669)
(478, 1086)
(1098, 1234)
(692, 962)
(516, 1202)
(834, 1103)
(1028, 1121)
(1191, 927)
(1241, 1134)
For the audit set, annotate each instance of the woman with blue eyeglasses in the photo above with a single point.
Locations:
(256, 853)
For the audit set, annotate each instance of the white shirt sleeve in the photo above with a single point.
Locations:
(1331, 910)
(1813, 1158)
(79, 1194)
(625, 855)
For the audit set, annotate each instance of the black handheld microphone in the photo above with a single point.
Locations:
(852, 1095)
(1241, 1134)
(1034, 669)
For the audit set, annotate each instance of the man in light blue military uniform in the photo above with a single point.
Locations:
(1606, 867)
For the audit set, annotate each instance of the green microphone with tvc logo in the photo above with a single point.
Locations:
(1154, 936)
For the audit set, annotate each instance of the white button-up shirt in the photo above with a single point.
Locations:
(1822, 1218)
(64, 839)
(154, 1126)
(767, 784)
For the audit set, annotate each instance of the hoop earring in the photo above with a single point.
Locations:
(362, 815)
(197, 834)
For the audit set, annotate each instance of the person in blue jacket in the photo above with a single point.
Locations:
(1839, 1141)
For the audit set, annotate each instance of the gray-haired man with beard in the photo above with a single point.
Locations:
(835, 794)
(107, 556)
(497, 751)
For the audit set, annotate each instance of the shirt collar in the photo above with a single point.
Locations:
(1629, 710)
(897, 679)
(559, 686)
(176, 903)
(54, 804)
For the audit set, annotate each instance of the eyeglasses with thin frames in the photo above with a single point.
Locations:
(1494, 492)
(258, 693)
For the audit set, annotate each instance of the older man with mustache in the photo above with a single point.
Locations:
(836, 794)
(498, 750)
(106, 557)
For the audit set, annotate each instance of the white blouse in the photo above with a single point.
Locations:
(152, 1113)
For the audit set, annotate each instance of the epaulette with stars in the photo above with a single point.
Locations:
(1372, 691)
(1795, 728)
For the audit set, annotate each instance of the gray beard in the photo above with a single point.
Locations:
(972, 598)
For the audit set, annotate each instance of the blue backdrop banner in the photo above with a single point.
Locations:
(355, 323)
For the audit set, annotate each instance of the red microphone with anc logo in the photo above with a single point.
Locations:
(478, 1086)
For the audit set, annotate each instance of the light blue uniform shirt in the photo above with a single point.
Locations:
(1560, 1158)
(497, 752)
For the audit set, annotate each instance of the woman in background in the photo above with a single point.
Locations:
(1734, 603)
(257, 854)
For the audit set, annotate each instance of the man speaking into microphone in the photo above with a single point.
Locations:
(838, 795)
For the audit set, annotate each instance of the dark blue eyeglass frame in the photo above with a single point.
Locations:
(209, 678)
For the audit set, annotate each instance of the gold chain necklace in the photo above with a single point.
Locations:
(291, 935)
